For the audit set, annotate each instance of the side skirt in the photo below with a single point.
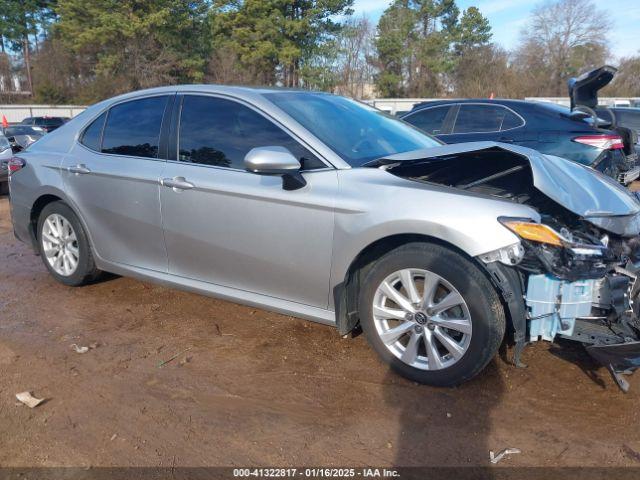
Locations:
(278, 305)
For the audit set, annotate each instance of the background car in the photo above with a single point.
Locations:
(21, 136)
(48, 124)
(5, 154)
(546, 127)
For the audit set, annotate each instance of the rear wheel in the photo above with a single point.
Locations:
(64, 246)
(431, 314)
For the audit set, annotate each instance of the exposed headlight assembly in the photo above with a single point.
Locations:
(534, 232)
(527, 229)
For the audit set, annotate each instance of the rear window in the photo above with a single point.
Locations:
(565, 112)
(133, 128)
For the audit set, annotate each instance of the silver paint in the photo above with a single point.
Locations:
(238, 235)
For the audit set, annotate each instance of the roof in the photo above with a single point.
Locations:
(497, 101)
(241, 91)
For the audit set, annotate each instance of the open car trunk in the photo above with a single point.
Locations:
(583, 95)
(583, 90)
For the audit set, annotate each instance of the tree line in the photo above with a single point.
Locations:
(74, 51)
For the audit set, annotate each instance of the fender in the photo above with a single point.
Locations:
(47, 191)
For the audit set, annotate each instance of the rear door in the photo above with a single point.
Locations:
(476, 122)
(112, 176)
(239, 229)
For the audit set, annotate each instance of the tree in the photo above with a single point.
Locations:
(279, 40)
(355, 47)
(484, 70)
(19, 20)
(395, 38)
(133, 44)
(473, 31)
(627, 81)
(562, 39)
(420, 42)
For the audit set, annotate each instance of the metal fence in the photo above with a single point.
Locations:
(608, 101)
(397, 106)
(17, 113)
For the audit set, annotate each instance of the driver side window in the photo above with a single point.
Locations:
(220, 132)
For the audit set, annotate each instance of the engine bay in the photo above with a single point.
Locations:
(584, 288)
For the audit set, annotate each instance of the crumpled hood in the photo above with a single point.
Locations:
(581, 190)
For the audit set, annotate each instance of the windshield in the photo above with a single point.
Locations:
(4, 143)
(356, 132)
(576, 115)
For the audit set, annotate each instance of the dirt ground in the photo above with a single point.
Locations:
(249, 387)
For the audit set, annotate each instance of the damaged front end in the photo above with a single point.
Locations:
(573, 275)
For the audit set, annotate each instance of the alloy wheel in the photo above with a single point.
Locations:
(422, 319)
(60, 245)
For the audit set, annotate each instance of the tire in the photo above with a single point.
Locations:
(455, 277)
(4, 187)
(85, 270)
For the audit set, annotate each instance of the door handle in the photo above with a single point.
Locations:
(80, 169)
(505, 140)
(178, 183)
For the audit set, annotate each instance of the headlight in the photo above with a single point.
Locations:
(535, 232)
(527, 229)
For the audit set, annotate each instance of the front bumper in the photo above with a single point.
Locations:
(620, 359)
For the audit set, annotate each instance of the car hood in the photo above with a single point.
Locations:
(581, 190)
(583, 90)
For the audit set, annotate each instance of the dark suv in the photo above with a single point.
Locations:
(574, 133)
(48, 124)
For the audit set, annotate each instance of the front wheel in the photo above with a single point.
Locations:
(431, 314)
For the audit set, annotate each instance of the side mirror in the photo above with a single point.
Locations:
(276, 161)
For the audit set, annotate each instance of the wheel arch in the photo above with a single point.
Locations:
(42, 200)
(345, 293)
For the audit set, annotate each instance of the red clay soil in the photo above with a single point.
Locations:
(249, 387)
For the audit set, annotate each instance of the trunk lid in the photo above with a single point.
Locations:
(583, 90)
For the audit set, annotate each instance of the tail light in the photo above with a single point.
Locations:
(14, 164)
(603, 142)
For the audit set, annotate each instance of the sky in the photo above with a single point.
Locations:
(507, 17)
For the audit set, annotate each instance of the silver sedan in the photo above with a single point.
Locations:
(304, 203)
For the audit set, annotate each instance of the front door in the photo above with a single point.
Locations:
(238, 229)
